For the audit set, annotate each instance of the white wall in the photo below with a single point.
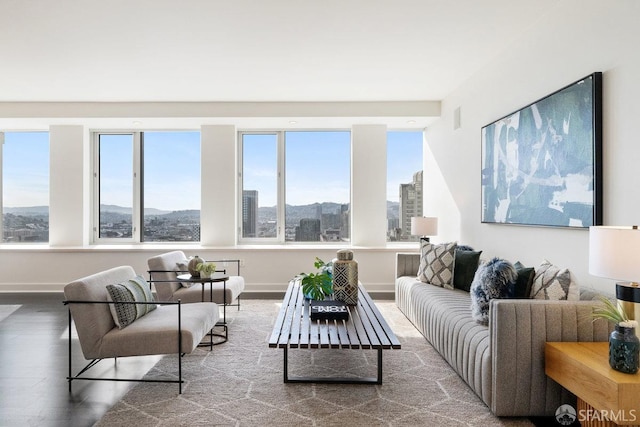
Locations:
(578, 38)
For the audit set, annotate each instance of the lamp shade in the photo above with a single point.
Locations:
(614, 252)
(424, 226)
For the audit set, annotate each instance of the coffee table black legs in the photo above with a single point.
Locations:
(332, 380)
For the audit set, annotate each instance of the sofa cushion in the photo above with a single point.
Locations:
(522, 288)
(465, 266)
(436, 263)
(494, 279)
(554, 283)
(133, 290)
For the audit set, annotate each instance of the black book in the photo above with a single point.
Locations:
(331, 310)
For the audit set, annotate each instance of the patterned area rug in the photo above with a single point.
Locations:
(240, 383)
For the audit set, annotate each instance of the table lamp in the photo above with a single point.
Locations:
(614, 253)
(424, 226)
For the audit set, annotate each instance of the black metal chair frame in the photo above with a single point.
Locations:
(94, 362)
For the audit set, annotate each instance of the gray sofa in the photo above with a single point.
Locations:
(503, 363)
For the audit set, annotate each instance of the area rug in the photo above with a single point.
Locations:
(240, 383)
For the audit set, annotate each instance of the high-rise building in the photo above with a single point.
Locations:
(410, 204)
(249, 213)
(345, 225)
(308, 230)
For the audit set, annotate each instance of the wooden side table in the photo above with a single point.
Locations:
(583, 369)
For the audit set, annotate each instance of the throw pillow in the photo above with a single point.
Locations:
(181, 268)
(554, 283)
(494, 279)
(436, 263)
(522, 289)
(464, 267)
(134, 290)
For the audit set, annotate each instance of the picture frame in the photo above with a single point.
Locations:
(542, 164)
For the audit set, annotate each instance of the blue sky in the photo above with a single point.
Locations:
(317, 168)
(25, 169)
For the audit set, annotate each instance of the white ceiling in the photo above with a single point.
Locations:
(251, 50)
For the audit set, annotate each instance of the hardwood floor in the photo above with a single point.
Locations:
(34, 366)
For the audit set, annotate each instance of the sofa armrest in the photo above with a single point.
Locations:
(518, 331)
(407, 264)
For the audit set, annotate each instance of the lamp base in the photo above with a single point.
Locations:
(628, 295)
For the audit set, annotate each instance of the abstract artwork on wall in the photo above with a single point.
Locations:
(542, 165)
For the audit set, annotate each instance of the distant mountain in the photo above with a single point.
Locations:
(28, 210)
(176, 214)
(127, 211)
(264, 213)
(115, 209)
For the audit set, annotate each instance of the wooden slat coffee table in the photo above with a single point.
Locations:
(365, 329)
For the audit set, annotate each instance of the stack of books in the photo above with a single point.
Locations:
(329, 310)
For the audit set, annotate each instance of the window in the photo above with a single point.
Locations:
(404, 183)
(151, 179)
(311, 200)
(171, 177)
(25, 187)
(259, 185)
(318, 183)
(116, 186)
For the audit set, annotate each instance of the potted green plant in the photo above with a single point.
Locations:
(206, 269)
(319, 285)
(624, 346)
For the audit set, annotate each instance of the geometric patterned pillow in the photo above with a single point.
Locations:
(436, 263)
(134, 290)
(553, 283)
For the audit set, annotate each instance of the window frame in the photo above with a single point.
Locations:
(279, 238)
(281, 192)
(136, 191)
(137, 217)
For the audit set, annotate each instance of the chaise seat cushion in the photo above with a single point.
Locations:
(156, 332)
(234, 287)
